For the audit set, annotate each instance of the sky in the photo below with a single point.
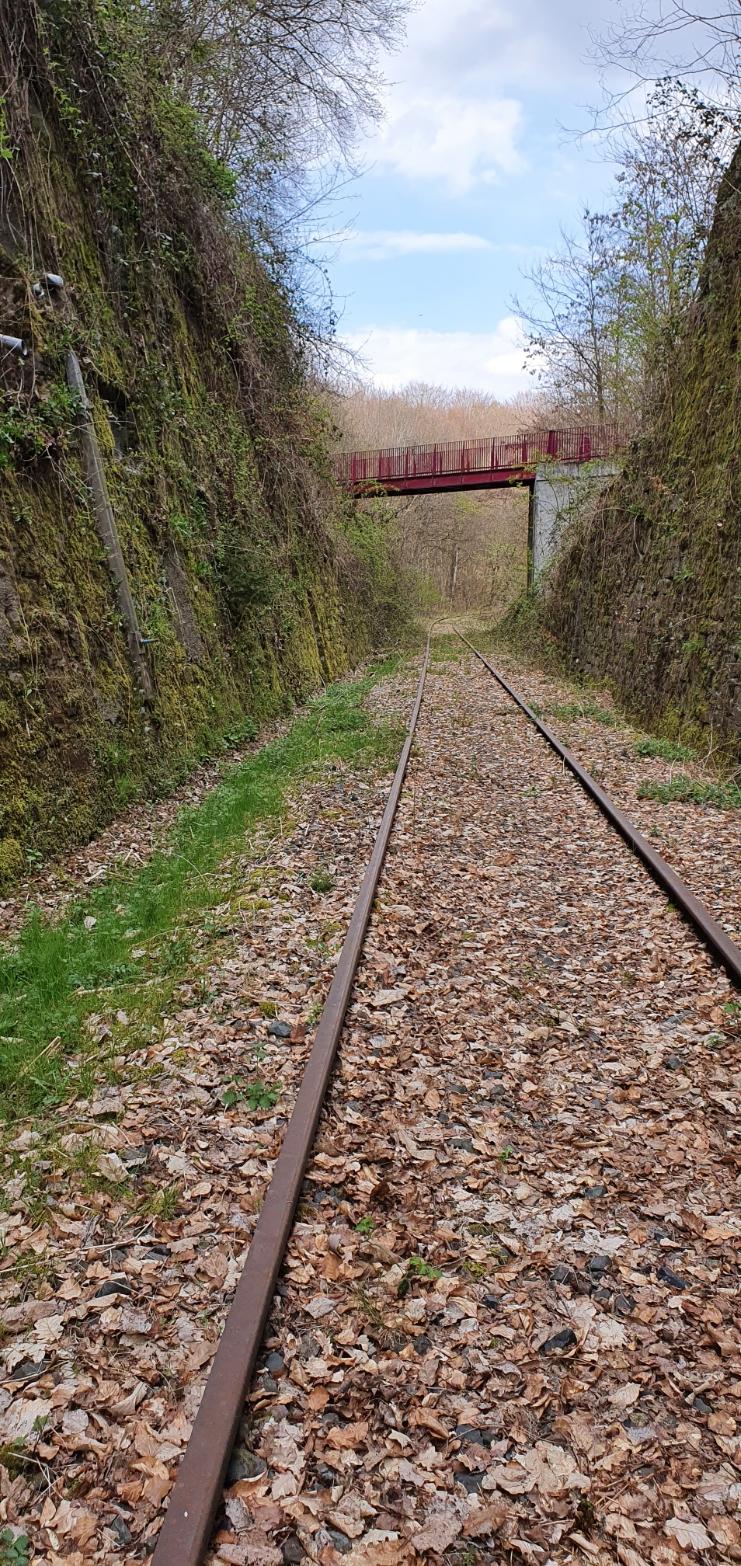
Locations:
(470, 177)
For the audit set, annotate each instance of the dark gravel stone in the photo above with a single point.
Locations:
(267, 1384)
(28, 1370)
(463, 1142)
(673, 1063)
(421, 1344)
(564, 1274)
(667, 1276)
(624, 1304)
(275, 1363)
(560, 1340)
(292, 1550)
(700, 1406)
(593, 1191)
(474, 1437)
(471, 1482)
(324, 1474)
(245, 1465)
(112, 1286)
(603, 1295)
(135, 1157)
(598, 1264)
(340, 1540)
(279, 1030)
(121, 1530)
(492, 1302)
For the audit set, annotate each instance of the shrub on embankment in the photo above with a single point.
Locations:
(646, 590)
(248, 581)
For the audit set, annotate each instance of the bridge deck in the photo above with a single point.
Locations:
(470, 464)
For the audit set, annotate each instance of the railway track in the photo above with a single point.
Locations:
(197, 1493)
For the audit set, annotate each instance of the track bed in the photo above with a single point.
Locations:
(505, 1324)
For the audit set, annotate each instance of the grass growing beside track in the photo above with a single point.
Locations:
(693, 791)
(124, 947)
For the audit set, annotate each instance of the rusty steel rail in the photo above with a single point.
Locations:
(726, 952)
(185, 1533)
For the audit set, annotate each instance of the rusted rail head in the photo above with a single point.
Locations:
(196, 1494)
(726, 952)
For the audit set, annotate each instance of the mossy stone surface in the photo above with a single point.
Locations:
(648, 590)
(250, 587)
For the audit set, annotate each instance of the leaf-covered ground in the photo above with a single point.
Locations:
(506, 1325)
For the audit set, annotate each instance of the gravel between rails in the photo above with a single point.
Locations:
(526, 1351)
(701, 842)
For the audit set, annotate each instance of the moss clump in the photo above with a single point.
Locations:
(12, 860)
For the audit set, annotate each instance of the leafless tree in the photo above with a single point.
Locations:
(691, 39)
(579, 344)
(280, 85)
(603, 314)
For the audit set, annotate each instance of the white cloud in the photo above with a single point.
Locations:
(386, 244)
(488, 361)
(457, 142)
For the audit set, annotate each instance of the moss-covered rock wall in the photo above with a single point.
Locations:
(647, 590)
(250, 585)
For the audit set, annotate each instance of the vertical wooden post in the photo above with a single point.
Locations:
(105, 523)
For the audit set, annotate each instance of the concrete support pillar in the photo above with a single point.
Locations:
(558, 492)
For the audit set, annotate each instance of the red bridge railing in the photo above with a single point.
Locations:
(502, 454)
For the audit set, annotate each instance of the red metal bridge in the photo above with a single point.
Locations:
(470, 464)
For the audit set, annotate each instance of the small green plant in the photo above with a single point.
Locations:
(15, 1549)
(39, 427)
(365, 1226)
(182, 526)
(255, 1093)
(261, 1095)
(164, 1204)
(691, 791)
(239, 734)
(6, 146)
(321, 881)
(417, 1269)
(505, 1155)
(667, 750)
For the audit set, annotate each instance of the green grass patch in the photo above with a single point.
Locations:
(666, 750)
(447, 648)
(573, 710)
(321, 881)
(124, 947)
(691, 791)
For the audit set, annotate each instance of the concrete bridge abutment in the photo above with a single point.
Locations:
(558, 491)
